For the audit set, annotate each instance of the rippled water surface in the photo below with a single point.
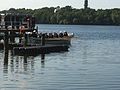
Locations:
(92, 63)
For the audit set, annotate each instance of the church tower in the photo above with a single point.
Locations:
(86, 4)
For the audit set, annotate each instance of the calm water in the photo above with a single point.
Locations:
(92, 63)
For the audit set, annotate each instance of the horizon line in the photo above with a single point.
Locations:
(61, 7)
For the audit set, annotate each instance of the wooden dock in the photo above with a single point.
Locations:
(23, 27)
(35, 50)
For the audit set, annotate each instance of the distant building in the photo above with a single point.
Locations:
(86, 4)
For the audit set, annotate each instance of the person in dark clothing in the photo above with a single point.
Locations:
(55, 35)
(50, 35)
(65, 33)
(61, 34)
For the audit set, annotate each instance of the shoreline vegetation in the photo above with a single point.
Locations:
(71, 16)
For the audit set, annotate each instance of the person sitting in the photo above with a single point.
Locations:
(55, 35)
(60, 34)
(65, 33)
(34, 34)
(50, 35)
(46, 35)
(40, 35)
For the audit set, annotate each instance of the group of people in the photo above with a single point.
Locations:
(54, 35)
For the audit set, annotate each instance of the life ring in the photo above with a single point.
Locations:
(22, 29)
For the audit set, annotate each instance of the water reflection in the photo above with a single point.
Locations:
(6, 58)
(42, 60)
(5, 69)
(25, 59)
(20, 64)
(42, 57)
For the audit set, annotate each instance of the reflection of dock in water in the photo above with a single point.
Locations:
(34, 50)
(20, 64)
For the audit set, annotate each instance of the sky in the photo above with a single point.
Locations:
(35, 4)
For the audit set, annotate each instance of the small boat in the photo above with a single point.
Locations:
(54, 41)
(64, 40)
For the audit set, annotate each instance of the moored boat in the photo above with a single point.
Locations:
(65, 40)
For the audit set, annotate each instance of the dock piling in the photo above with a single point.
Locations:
(20, 37)
(12, 37)
(43, 43)
(43, 40)
(25, 39)
(6, 48)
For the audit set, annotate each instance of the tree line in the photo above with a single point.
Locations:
(69, 15)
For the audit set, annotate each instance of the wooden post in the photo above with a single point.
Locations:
(43, 40)
(37, 29)
(26, 40)
(25, 59)
(6, 47)
(5, 58)
(20, 37)
(12, 37)
(43, 43)
(42, 57)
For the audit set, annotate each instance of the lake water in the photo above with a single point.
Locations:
(92, 63)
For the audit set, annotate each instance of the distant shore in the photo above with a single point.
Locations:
(71, 16)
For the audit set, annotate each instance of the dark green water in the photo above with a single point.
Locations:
(92, 63)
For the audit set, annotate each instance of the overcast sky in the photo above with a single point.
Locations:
(35, 4)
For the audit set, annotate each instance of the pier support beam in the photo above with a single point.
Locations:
(12, 37)
(20, 37)
(43, 40)
(37, 29)
(6, 47)
(43, 44)
(25, 39)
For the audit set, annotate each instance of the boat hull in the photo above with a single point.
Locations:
(53, 41)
